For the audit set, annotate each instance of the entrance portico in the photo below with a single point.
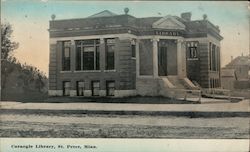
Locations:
(168, 56)
(168, 48)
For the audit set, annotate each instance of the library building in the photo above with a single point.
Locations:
(120, 55)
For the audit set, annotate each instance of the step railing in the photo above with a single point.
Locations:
(217, 93)
(184, 94)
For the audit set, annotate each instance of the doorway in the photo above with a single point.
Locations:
(167, 57)
(162, 61)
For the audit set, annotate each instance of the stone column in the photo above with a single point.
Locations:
(137, 50)
(72, 56)
(184, 58)
(72, 67)
(180, 59)
(155, 58)
(102, 54)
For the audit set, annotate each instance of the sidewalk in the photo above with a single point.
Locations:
(243, 106)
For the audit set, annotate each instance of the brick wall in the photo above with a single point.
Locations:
(193, 65)
(204, 65)
(124, 74)
(52, 68)
(146, 57)
(126, 70)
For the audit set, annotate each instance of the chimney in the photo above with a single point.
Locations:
(232, 58)
(186, 16)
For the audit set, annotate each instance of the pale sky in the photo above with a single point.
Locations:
(30, 21)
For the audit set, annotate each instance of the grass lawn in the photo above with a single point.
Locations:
(136, 99)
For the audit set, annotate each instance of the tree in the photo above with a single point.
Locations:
(18, 80)
(7, 45)
(7, 48)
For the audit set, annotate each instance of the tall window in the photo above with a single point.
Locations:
(87, 55)
(214, 53)
(80, 88)
(66, 56)
(110, 54)
(210, 56)
(95, 88)
(218, 60)
(66, 88)
(214, 57)
(133, 48)
(110, 86)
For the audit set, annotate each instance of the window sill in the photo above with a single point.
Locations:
(134, 58)
(109, 70)
(192, 59)
(65, 71)
(82, 71)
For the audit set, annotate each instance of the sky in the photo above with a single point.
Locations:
(30, 21)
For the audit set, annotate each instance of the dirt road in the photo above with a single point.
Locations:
(122, 126)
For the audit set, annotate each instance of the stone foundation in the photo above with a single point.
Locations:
(88, 93)
(55, 92)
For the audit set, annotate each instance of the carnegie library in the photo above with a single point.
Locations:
(121, 55)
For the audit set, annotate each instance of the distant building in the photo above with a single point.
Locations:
(121, 55)
(236, 74)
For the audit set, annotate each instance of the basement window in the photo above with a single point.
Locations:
(66, 88)
(80, 88)
(95, 88)
(110, 85)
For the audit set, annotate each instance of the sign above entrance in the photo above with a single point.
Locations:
(168, 33)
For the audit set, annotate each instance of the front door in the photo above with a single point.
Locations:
(162, 61)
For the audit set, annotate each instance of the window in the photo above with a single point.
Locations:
(210, 56)
(110, 54)
(95, 88)
(66, 88)
(66, 56)
(80, 88)
(87, 55)
(214, 58)
(214, 53)
(192, 51)
(133, 48)
(211, 83)
(133, 51)
(110, 85)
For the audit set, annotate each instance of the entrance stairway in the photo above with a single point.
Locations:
(179, 83)
(178, 88)
(169, 86)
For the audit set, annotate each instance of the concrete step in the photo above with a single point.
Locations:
(176, 82)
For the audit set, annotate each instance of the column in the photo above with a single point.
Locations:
(184, 58)
(155, 58)
(72, 56)
(72, 67)
(102, 54)
(180, 61)
(137, 51)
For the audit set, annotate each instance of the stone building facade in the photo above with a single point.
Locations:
(121, 55)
